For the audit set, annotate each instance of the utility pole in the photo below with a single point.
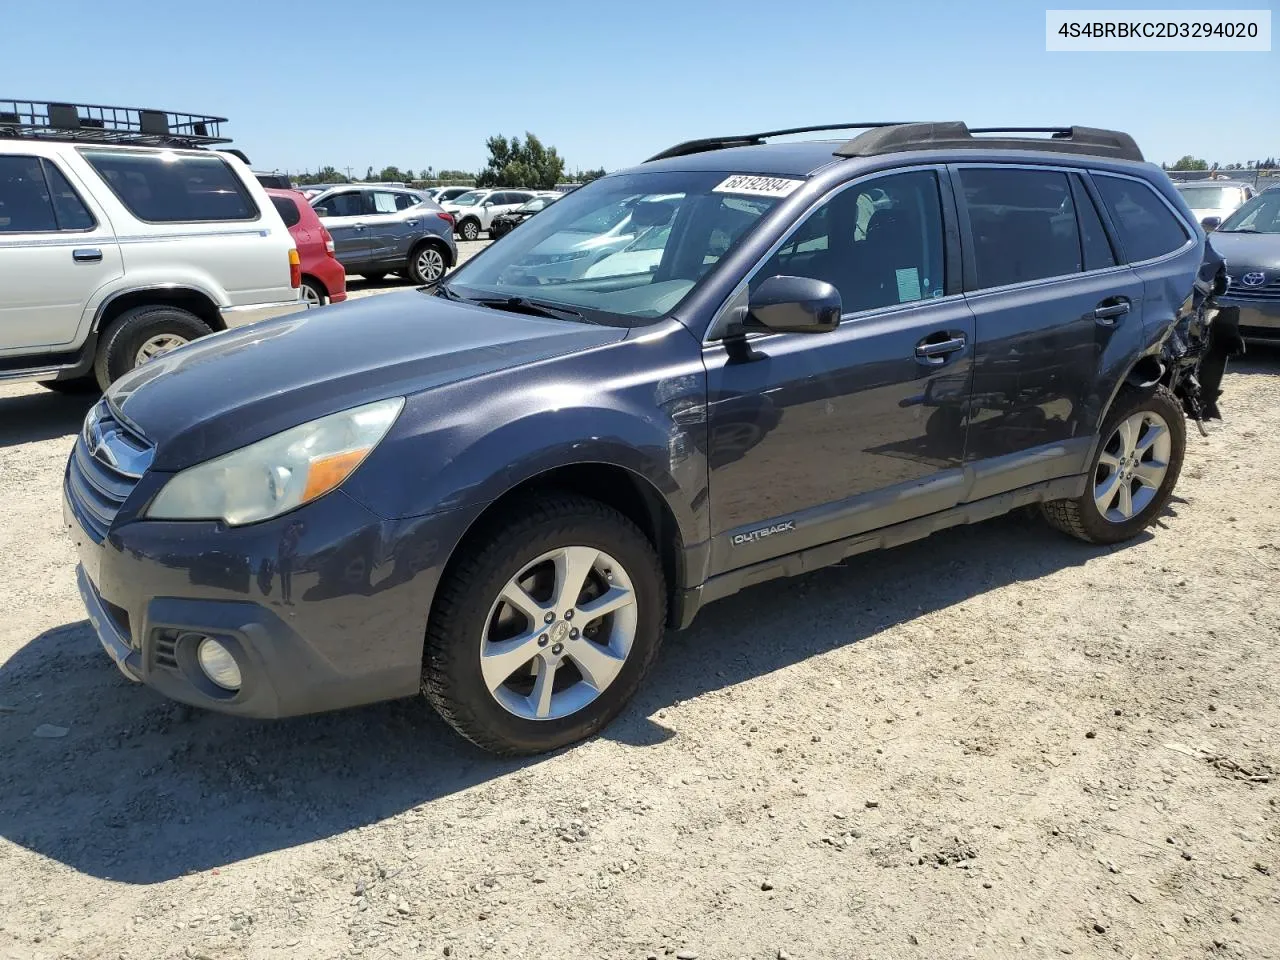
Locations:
(348, 169)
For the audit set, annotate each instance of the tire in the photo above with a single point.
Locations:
(468, 610)
(121, 345)
(76, 385)
(1083, 517)
(375, 276)
(314, 293)
(427, 263)
(469, 229)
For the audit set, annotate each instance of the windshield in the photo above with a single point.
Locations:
(1211, 198)
(631, 245)
(469, 199)
(1259, 215)
(536, 204)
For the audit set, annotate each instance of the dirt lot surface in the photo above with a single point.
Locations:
(994, 743)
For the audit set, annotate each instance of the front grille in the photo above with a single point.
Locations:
(1270, 290)
(108, 460)
(166, 650)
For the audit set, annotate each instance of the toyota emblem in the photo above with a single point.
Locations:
(1254, 279)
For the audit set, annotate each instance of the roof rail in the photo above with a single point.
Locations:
(754, 139)
(95, 123)
(953, 135)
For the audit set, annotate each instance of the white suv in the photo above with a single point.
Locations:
(112, 255)
(475, 210)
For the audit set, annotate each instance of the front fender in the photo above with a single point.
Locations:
(638, 404)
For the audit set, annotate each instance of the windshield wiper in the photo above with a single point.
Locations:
(442, 290)
(535, 308)
(1240, 230)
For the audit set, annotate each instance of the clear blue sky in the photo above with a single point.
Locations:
(610, 82)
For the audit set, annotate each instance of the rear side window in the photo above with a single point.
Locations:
(165, 187)
(1098, 254)
(385, 203)
(406, 200)
(347, 204)
(35, 197)
(288, 211)
(1023, 224)
(1146, 226)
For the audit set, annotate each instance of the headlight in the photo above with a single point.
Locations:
(567, 257)
(275, 475)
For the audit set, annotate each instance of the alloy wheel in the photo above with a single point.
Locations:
(155, 346)
(1132, 466)
(429, 264)
(559, 633)
(311, 296)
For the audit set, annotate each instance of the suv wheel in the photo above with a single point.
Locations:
(141, 334)
(313, 294)
(470, 229)
(1133, 472)
(426, 264)
(545, 626)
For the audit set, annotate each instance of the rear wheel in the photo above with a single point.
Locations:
(470, 229)
(142, 334)
(426, 263)
(545, 626)
(313, 294)
(1134, 470)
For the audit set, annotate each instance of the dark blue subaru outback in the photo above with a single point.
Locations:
(738, 361)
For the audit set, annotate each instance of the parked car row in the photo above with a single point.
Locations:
(475, 210)
(1212, 201)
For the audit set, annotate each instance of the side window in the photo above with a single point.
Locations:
(25, 206)
(1146, 226)
(385, 203)
(1023, 224)
(343, 204)
(406, 200)
(164, 187)
(1098, 254)
(69, 209)
(880, 243)
(288, 211)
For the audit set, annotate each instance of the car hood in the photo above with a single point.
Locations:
(1248, 252)
(231, 389)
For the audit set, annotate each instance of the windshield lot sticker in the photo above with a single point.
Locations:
(758, 186)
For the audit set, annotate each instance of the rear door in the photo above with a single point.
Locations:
(343, 215)
(387, 227)
(1056, 314)
(57, 249)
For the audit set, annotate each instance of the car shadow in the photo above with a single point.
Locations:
(141, 790)
(42, 415)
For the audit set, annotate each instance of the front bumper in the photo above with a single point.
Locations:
(1259, 319)
(256, 312)
(337, 621)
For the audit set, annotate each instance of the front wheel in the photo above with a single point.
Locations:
(470, 230)
(1134, 470)
(545, 626)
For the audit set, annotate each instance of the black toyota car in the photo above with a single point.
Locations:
(506, 222)
(501, 490)
(1249, 239)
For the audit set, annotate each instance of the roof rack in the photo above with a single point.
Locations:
(95, 123)
(954, 134)
(754, 139)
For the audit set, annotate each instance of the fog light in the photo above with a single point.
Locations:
(218, 664)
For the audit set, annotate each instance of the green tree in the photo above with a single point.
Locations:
(455, 175)
(393, 175)
(1189, 162)
(586, 176)
(323, 175)
(515, 164)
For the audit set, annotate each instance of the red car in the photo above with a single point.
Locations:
(323, 279)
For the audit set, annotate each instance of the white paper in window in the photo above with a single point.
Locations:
(908, 284)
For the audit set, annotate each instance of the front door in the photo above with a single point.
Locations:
(343, 214)
(825, 436)
(57, 252)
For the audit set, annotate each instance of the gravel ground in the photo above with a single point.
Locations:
(993, 743)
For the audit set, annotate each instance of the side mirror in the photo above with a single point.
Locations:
(323, 212)
(488, 203)
(1211, 224)
(793, 305)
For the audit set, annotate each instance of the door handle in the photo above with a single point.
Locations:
(935, 352)
(1109, 313)
(87, 255)
(357, 226)
(411, 223)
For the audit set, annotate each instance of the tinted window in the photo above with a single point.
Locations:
(406, 200)
(1146, 226)
(70, 210)
(1023, 225)
(288, 211)
(165, 187)
(342, 204)
(1093, 238)
(25, 206)
(879, 243)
